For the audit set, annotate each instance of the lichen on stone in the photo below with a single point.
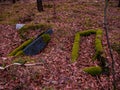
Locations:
(46, 38)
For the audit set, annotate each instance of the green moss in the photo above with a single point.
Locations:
(19, 53)
(21, 47)
(75, 49)
(20, 60)
(46, 38)
(98, 44)
(99, 34)
(94, 70)
(32, 27)
(87, 32)
(77, 37)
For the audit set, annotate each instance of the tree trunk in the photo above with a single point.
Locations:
(39, 5)
(14, 1)
(119, 4)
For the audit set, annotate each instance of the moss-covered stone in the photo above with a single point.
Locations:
(21, 47)
(98, 44)
(87, 32)
(19, 53)
(94, 70)
(77, 37)
(75, 49)
(46, 38)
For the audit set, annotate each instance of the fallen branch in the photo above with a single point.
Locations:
(19, 64)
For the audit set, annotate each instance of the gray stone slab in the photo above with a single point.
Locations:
(37, 45)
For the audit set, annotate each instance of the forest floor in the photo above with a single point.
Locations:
(56, 72)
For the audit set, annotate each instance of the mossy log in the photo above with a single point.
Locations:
(75, 49)
(21, 47)
(94, 70)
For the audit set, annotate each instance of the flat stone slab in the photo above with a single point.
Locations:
(37, 45)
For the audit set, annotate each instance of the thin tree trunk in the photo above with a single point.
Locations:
(119, 4)
(14, 1)
(39, 5)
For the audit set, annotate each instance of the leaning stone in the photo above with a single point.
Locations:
(38, 44)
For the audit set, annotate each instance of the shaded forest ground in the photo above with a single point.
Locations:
(56, 72)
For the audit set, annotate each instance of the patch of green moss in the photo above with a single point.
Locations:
(87, 32)
(94, 70)
(19, 53)
(21, 47)
(20, 60)
(46, 38)
(75, 49)
(77, 37)
(32, 27)
(99, 34)
(98, 44)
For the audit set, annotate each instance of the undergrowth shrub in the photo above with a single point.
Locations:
(94, 70)
(19, 53)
